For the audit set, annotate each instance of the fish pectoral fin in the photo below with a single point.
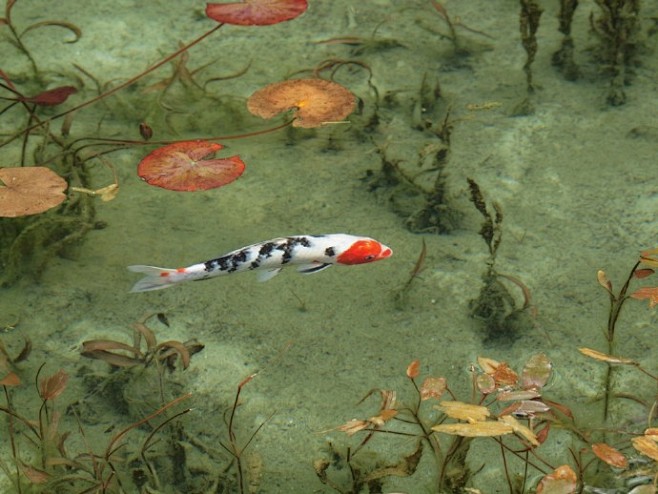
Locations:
(268, 274)
(313, 268)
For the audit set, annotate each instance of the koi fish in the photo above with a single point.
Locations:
(310, 253)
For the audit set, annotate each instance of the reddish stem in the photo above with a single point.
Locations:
(129, 82)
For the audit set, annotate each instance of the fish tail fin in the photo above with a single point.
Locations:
(155, 279)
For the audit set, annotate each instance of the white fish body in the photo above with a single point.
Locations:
(310, 253)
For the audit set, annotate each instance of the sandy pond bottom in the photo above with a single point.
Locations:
(575, 180)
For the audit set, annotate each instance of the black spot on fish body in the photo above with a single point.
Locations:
(221, 264)
(266, 249)
(330, 251)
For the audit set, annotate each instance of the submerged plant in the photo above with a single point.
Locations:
(178, 165)
(507, 408)
(495, 306)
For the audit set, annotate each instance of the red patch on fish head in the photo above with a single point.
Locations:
(364, 251)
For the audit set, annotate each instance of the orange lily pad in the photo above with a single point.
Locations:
(29, 190)
(182, 166)
(256, 12)
(315, 101)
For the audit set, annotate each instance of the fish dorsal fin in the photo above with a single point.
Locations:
(312, 268)
(268, 274)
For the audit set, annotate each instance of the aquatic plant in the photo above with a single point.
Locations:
(38, 446)
(528, 24)
(617, 26)
(495, 306)
(541, 445)
(506, 407)
(30, 241)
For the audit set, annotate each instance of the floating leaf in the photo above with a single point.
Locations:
(11, 379)
(256, 12)
(649, 257)
(475, 429)
(433, 387)
(536, 372)
(500, 371)
(646, 446)
(643, 273)
(562, 480)
(610, 455)
(29, 190)
(463, 411)
(183, 166)
(519, 429)
(588, 352)
(649, 293)
(522, 394)
(353, 426)
(315, 101)
(383, 417)
(526, 408)
(485, 383)
(413, 369)
(604, 281)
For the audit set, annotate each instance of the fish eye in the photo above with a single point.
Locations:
(369, 257)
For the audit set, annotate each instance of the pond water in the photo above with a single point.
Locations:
(563, 174)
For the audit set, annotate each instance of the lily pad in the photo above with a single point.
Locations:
(29, 190)
(256, 12)
(182, 166)
(315, 101)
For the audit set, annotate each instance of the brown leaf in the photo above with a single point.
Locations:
(603, 280)
(107, 345)
(169, 349)
(413, 369)
(562, 480)
(10, 379)
(476, 429)
(643, 273)
(51, 97)
(648, 257)
(500, 371)
(610, 455)
(114, 359)
(649, 293)
(464, 411)
(34, 475)
(525, 408)
(519, 429)
(315, 101)
(29, 190)
(596, 355)
(522, 394)
(383, 417)
(646, 446)
(353, 426)
(536, 372)
(142, 330)
(432, 387)
(485, 384)
(51, 387)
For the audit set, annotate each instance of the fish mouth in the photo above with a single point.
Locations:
(386, 252)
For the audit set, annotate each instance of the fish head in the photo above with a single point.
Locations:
(363, 251)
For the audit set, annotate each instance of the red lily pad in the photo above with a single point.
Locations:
(183, 166)
(256, 12)
(29, 190)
